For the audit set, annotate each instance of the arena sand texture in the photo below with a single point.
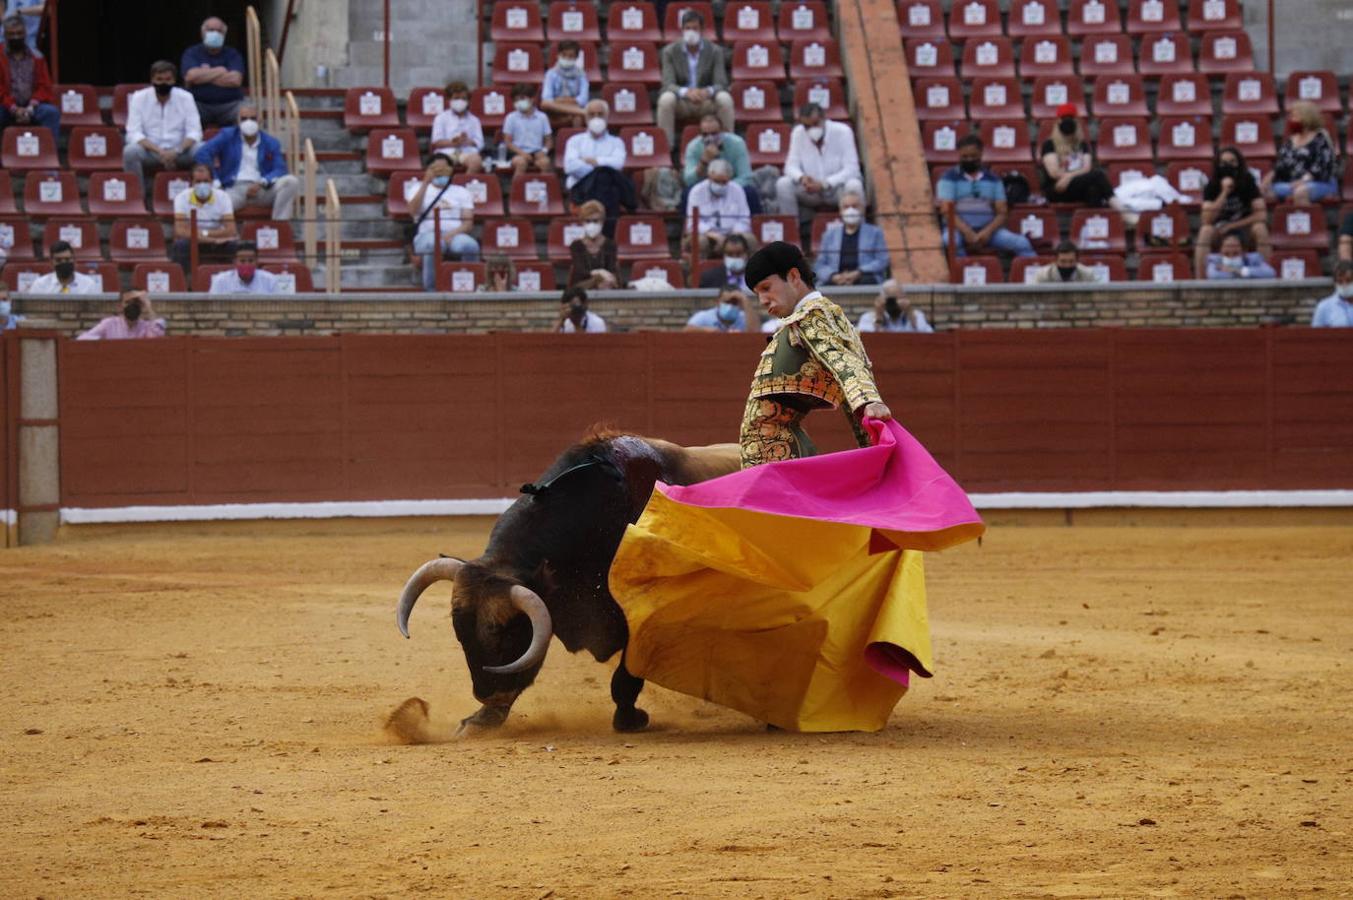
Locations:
(1117, 711)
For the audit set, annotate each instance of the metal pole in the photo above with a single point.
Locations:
(286, 29)
(252, 45)
(310, 206)
(695, 246)
(479, 43)
(386, 34)
(192, 244)
(1272, 51)
(53, 45)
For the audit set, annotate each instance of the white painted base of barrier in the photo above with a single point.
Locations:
(9, 517)
(401, 508)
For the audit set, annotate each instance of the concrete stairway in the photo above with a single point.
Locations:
(431, 42)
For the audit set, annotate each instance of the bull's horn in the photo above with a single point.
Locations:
(529, 602)
(428, 574)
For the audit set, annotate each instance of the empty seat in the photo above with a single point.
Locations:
(534, 276)
(1006, 141)
(1163, 267)
(163, 190)
(1189, 178)
(92, 148)
(988, 58)
(1251, 135)
(562, 232)
(756, 60)
(632, 21)
(365, 108)
(822, 220)
(485, 190)
(1162, 54)
(1294, 265)
(1250, 92)
(535, 194)
(664, 268)
(1184, 94)
(940, 140)
(1298, 227)
(768, 228)
(1123, 172)
(1051, 92)
(51, 194)
(1098, 229)
(1152, 16)
(1315, 86)
(28, 147)
(7, 205)
(629, 104)
(939, 98)
(79, 105)
(1120, 95)
(637, 62)
(516, 21)
(104, 274)
(748, 20)
(640, 236)
(1107, 54)
(516, 63)
(20, 275)
(589, 57)
(920, 19)
(1182, 137)
(974, 19)
(671, 25)
(15, 239)
(1210, 15)
(391, 150)
(275, 240)
(929, 57)
(767, 143)
(1123, 139)
(1164, 228)
(1034, 18)
(82, 235)
(204, 273)
(1024, 269)
(159, 278)
(756, 101)
(815, 59)
(646, 148)
(827, 93)
(460, 277)
(132, 240)
(293, 276)
(1086, 17)
(1107, 267)
(1046, 56)
(513, 238)
(996, 98)
(425, 104)
(1037, 223)
(975, 271)
(803, 20)
(567, 20)
(1225, 51)
(490, 105)
(398, 190)
(120, 94)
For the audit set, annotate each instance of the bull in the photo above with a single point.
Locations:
(544, 572)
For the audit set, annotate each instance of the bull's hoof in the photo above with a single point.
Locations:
(627, 720)
(486, 719)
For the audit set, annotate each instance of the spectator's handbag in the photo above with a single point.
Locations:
(1016, 188)
(411, 229)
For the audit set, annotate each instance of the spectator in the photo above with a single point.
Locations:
(30, 14)
(977, 198)
(500, 276)
(893, 311)
(852, 250)
(163, 128)
(722, 208)
(135, 319)
(1336, 310)
(574, 316)
(593, 256)
(1068, 169)
(246, 277)
(1066, 268)
(438, 199)
(714, 143)
(732, 312)
(728, 274)
(250, 165)
(594, 164)
(822, 163)
(1307, 163)
(564, 94)
(456, 131)
(9, 319)
(694, 79)
(1346, 238)
(1232, 204)
(215, 219)
(214, 74)
(63, 279)
(26, 96)
(1234, 262)
(526, 132)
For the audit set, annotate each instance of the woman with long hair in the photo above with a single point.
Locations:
(1307, 166)
(1069, 173)
(1232, 204)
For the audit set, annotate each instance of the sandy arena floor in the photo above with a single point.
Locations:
(1153, 711)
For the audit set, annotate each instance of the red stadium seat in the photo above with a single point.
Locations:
(756, 101)
(1250, 92)
(399, 190)
(1164, 228)
(534, 276)
(1005, 140)
(974, 19)
(1098, 229)
(535, 195)
(563, 231)
(1184, 94)
(767, 228)
(940, 140)
(293, 277)
(1049, 55)
(28, 147)
(460, 277)
(589, 57)
(758, 60)
(988, 58)
(1189, 178)
(1152, 16)
(1037, 223)
(632, 21)
(920, 19)
(767, 143)
(1211, 15)
(827, 93)
(516, 21)
(425, 104)
(638, 62)
(135, 240)
(516, 63)
(1086, 17)
(1024, 269)
(51, 194)
(1315, 86)
(1122, 140)
(490, 105)
(567, 20)
(79, 105)
(815, 59)
(1025, 169)
(1294, 265)
(204, 273)
(15, 238)
(1107, 267)
(391, 150)
(822, 220)
(1052, 92)
(1300, 227)
(629, 103)
(1182, 137)
(120, 94)
(485, 190)
(1225, 51)
(1163, 267)
(748, 20)
(803, 20)
(1251, 134)
(275, 240)
(365, 108)
(7, 205)
(1034, 18)
(1164, 54)
(513, 238)
(640, 236)
(90, 149)
(667, 269)
(159, 278)
(1107, 54)
(1120, 95)
(930, 57)
(939, 98)
(646, 148)
(82, 235)
(19, 275)
(671, 24)
(1121, 173)
(105, 274)
(996, 98)
(975, 271)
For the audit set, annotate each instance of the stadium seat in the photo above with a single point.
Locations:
(517, 63)
(1023, 269)
(920, 19)
(1211, 15)
(930, 57)
(822, 220)
(562, 232)
(425, 104)
(815, 59)
(1051, 92)
(1294, 265)
(758, 60)
(1026, 169)
(1122, 140)
(1098, 229)
(1034, 18)
(568, 20)
(756, 101)
(293, 277)
(1107, 54)
(1315, 86)
(768, 228)
(159, 278)
(136, 240)
(1300, 227)
(1046, 56)
(486, 191)
(671, 23)
(767, 143)
(1166, 228)
(1006, 140)
(1249, 92)
(51, 194)
(827, 93)
(974, 271)
(1087, 17)
(633, 21)
(640, 236)
(105, 274)
(275, 240)
(15, 238)
(82, 235)
(1252, 135)
(391, 150)
(535, 195)
(589, 57)
(398, 190)
(996, 98)
(1184, 94)
(1189, 178)
(1183, 137)
(28, 147)
(638, 62)
(1037, 223)
(665, 268)
(1164, 267)
(79, 105)
(629, 104)
(803, 20)
(1107, 267)
(365, 108)
(1225, 51)
(748, 20)
(939, 98)
(940, 140)
(1152, 16)
(534, 276)
(1120, 95)
(204, 273)
(1121, 173)
(19, 275)
(988, 58)
(7, 205)
(974, 19)
(513, 238)
(516, 21)
(646, 147)
(490, 105)
(1164, 54)
(120, 94)
(92, 148)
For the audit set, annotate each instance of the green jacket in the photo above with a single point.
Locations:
(734, 150)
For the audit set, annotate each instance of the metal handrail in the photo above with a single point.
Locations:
(333, 241)
(309, 205)
(272, 96)
(253, 42)
(286, 29)
(291, 119)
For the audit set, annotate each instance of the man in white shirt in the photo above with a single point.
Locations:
(163, 128)
(63, 279)
(246, 277)
(248, 163)
(575, 317)
(821, 165)
(893, 312)
(438, 201)
(456, 131)
(215, 220)
(594, 164)
(1336, 310)
(722, 207)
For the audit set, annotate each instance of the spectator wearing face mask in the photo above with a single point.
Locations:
(1067, 267)
(526, 132)
(565, 93)
(456, 131)
(852, 250)
(135, 320)
(215, 220)
(1069, 173)
(694, 79)
(163, 128)
(593, 256)
(1336, 310)
(26, 95)
(1307, 166)
(30, 14)
(214, 73)
(439, 202)
(1232, 204)
(714, 143)
(500, 276)
(821, 165)
(731, 313)
(575, 317)
(893, 311)
(1234, 262)
(9, 319)
(594, 164)
(719, 207)
(250, 166)
(246, 277)
(728, 274)
(977, 198)
(63, 279)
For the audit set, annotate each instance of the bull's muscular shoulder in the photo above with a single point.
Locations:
(689, 465)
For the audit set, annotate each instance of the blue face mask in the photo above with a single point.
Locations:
(728, 313)
(214, 40)
(442, 180)
(4, 307)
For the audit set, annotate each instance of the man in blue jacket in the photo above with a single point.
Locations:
(250, 167)
(852, 250)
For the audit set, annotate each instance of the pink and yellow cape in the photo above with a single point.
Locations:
(793, 591)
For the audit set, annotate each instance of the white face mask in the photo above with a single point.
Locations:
(596, 125)
(691, 36)
(249, 127)
(4, 308)
(1345, 290)
(568, 65)
(459, 106)
(815, 133)
(717, 188)
(523, 105)
(852, 216)
(735, 264)
(591, 229)
(202, 190)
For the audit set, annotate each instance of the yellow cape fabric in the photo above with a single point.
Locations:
(770, 615)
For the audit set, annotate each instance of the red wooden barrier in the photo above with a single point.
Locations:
(365, 417)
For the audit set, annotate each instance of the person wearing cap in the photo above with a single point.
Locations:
(814, 360)
(1069, 173)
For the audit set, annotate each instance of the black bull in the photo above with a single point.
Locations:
(545, 569)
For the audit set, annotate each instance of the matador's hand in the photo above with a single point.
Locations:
(877, 410)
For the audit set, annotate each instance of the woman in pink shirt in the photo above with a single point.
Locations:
(137, 320)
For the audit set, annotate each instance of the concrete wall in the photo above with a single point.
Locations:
(319, 36)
